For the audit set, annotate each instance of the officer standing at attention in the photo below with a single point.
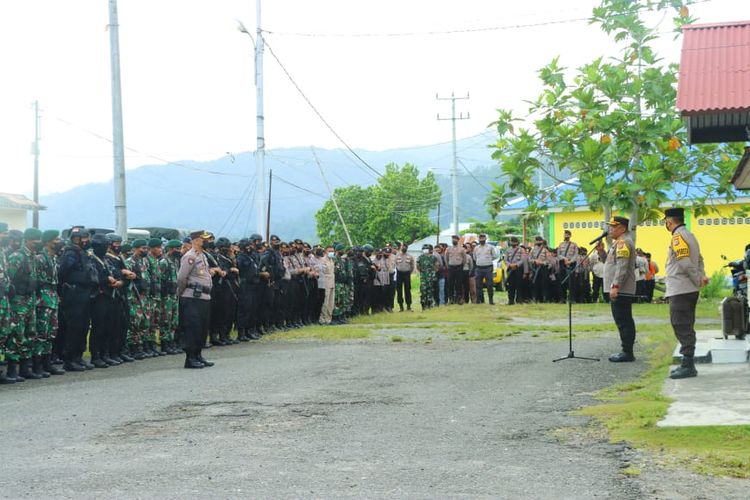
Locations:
(194, 289)
(619, 278)
(484, 256)
(685, 277)
(405, 265)
(517, 265)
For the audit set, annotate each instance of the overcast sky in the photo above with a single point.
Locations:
(187, 74)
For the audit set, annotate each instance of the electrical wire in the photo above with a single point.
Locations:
(472, 176)
(312, 106)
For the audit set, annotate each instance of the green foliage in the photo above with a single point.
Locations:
(394, 209)
(716, 288)
(614, 127)
(495, 230)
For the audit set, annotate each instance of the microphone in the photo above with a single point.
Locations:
(600, 237)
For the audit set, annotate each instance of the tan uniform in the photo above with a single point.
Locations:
(194, 273)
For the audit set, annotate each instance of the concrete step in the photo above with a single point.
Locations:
(712, 347)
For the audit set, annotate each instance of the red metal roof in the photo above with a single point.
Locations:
(714, 68)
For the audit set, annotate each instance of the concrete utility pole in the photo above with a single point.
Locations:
(333, 197)
(118, 143)
(35, 152)
(260, 138)
(454, 170)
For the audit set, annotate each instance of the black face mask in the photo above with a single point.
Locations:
(58, 247)
(85, 245)
(14, 245)
(99, 250)
(116, 250)
(37, 246)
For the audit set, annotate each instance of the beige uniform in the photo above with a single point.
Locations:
(194, 274)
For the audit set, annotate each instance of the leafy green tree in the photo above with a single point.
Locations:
(613, 129)
(395, 209)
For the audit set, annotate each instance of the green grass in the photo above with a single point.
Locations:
(322, 333)
(631, 410)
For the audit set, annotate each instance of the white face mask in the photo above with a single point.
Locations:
(425, 251)
(331, 255)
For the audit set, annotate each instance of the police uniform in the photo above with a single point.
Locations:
(685, 275)
(619, 273)
(194, 289)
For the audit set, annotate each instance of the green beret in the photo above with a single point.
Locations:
(126, 247)
(32, 233)
(154, 242)
(140, 242)
(339, 247)
(49, 235)
(3, 227)
(174, 244)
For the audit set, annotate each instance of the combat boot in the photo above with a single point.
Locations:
(73, 366)
(11, 377)
(159, 352)
(203, 360)
(85, 364)
(242, 335)
(139, 354)
(126, 357)
(38, 368)
(111, 361)
(97, 361)
(177, 348)
(191, 360)
(49, 367)
(685, 370)
(26, 371)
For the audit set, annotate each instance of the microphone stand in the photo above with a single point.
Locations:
(571, 354)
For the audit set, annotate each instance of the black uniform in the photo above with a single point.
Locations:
(78, 279)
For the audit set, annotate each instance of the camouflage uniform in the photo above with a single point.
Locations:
(349, 290)
(169, 302)
(48, 301)
(139, 316)
(154, 297)
(22, 342)
(427, 279)
(4, 302)
(339, 293)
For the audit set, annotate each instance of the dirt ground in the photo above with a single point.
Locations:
(373, 419)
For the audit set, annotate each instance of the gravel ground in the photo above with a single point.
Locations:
(321, 419)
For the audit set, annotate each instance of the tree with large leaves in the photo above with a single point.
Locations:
(612, 133)
(395, 209)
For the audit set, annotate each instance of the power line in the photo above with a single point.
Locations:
(299, 187)
(483, 29)
(312, 106)
(472, 176)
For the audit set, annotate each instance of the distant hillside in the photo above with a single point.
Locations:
(219, 194)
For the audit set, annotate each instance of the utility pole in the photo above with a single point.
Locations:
(118, 143)
(260, 137)
(35, 152)
(454, 170)
(437, 242)
(268, 212)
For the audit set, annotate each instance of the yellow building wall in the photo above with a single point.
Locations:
(725, 234)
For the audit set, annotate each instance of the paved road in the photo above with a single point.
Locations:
(316, 419)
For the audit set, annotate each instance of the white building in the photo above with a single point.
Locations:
(14, 209)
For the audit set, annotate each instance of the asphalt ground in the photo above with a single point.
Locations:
(312, 419)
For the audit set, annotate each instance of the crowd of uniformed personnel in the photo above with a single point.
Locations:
(122, 301)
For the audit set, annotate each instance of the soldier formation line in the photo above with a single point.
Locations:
(125, 302)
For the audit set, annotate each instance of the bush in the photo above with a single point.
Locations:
(716, 287)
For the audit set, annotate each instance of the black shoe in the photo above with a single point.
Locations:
(72, 366)
(87, 365)
(111, 361)
(99, 363)
(38, 368)
(126, 358)
(27, 372)
(12, 376)
(56, 360)
(193, 363)
(622, 357)
(139, 355)
(685, 370)
(49, 367)
(205, 362)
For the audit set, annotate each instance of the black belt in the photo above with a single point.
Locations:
(488, 265)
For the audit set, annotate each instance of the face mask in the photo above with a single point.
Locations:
(482, 242)
(567, 238)
(425, 251)
(37, 246)
(85, 245)
(57, 248)
(99, 250)
(514, 244)
(14, 245)
(116, 250)
(331, 255)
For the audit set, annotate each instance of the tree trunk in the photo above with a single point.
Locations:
(634, 223)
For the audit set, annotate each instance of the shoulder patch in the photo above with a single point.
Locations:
(191, 261)
(680, 247)
(622, 252)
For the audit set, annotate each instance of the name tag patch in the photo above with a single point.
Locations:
(680, 247)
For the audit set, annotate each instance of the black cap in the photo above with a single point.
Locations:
(675, 212)
(514, 238)
(616, 221)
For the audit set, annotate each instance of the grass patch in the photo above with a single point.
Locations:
(631, 471)
(323, 333)
(630, 411)
(397, 338)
